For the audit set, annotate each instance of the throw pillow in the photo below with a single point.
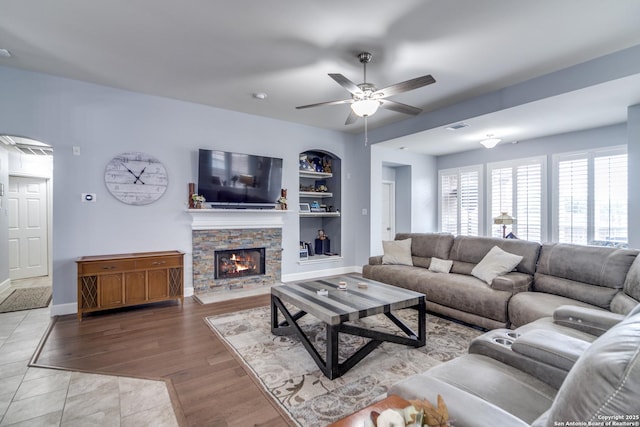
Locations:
(495, 263)
(397, 252)
(440, 265)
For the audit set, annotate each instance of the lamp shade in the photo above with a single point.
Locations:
(365, 107)
(504, 219)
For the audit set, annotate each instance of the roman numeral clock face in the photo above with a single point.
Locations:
(136, 178)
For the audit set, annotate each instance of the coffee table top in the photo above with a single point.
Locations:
(341, 306)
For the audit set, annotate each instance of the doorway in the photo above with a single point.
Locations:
(27, 201)
(388, 212)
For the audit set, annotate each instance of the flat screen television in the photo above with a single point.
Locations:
(228, 179)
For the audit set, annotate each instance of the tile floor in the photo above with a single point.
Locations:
(50, 397)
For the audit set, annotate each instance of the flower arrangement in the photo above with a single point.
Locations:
(421, 413)
(198, 200)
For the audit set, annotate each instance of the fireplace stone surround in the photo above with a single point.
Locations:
(230, 229)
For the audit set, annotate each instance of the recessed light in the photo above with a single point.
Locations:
(457, 126)
(260, 95)
(5, 53)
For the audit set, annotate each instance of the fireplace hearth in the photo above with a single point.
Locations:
(236, 263)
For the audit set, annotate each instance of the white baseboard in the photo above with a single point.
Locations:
(320, 273)
(5, 285)
(64, 309)
(188, 292)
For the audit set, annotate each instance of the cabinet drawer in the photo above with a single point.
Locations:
(105, 266)
(160, 262)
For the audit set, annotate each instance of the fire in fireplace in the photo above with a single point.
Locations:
(239, 263)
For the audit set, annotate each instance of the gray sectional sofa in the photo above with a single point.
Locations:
(548, 276)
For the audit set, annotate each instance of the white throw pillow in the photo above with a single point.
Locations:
(495, 263)
(440, 265)
(397, 252)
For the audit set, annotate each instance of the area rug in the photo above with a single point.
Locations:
(26, 299)
(287, 372)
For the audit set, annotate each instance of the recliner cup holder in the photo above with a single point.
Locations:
(512, 335)
(502, 341)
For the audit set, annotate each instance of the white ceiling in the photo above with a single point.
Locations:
(219, 53)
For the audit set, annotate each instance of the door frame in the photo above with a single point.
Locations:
(49, 188)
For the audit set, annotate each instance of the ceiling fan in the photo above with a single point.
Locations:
(366, 98)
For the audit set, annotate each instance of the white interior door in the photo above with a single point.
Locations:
(28, 247)
(388, 210)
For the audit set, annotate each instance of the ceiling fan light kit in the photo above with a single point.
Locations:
(365, 107)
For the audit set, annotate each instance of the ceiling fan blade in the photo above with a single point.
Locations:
(351, 118)
(346, 83)
(404, 86)
(399, 107)
(342, 101)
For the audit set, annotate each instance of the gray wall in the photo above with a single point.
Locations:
(633, 150)
(104, 121)
(547, 146)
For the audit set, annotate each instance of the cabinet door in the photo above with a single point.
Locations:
(135, 289)
(111, 290)
(158, 284)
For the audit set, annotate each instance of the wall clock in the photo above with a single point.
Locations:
(136, 178)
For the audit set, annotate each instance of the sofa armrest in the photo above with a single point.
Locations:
(550, 347)
(513, 282)
(375, 260)
(592, 321)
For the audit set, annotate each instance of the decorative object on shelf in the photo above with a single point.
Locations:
(198, 201)
(315, 206)
(304, 207)
(305, 165)
(282, 201)
(192, 191)
(136, 178)
(322, 243)
(504, 219)
(326, 165)
(321, 186)
(317, 164)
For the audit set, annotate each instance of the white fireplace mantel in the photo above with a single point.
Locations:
(221, 219)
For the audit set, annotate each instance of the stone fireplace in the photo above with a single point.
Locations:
(236, 250)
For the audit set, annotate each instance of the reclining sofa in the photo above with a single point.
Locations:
(547, 277)
(601, 386)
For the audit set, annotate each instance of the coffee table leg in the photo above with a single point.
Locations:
(332, 366)
(422, 322)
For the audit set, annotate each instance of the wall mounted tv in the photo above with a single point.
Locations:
(229, 179)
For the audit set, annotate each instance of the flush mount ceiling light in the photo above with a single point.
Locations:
(490, 142)
(260, 95)
(4, 53)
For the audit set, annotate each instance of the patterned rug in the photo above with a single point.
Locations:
(26, 299)
(285, 369)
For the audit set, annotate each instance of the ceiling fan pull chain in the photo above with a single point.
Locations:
(366, 137)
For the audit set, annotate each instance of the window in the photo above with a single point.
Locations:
(460, 195)
(590, 206)
(517, 188)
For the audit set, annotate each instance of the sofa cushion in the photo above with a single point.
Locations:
(438, 265)
(600, 296)
(605, 381)
(526, 307)
(495, 263)
(471, 249)
(632, 281)
(594, 265)
(502, 385)
(397, 252)
(427, 245)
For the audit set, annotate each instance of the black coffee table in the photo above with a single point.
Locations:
(339, 307)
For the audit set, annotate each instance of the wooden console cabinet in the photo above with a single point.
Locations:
(112, 281)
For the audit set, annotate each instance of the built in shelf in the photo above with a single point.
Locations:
(317, 259)
(316, 194)
(319, 214)
(312, 174)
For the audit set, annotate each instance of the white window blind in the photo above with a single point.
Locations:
(518, 188)
(591, 206)
(460, 195)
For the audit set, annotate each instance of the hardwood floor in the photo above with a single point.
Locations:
(165, 341)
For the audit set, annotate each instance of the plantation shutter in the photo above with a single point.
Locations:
(449, 203)
(460, 194)
(501, 196)
(610, 199)
(573, 191)
(469, 203)
(528, 196)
